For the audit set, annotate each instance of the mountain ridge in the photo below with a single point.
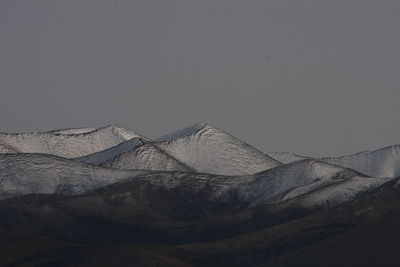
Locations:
(66, 145)
(208, 149)
(195, 197)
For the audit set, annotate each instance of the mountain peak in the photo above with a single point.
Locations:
(383, 162)
(208, 149)
(183, 132)
(69, 143)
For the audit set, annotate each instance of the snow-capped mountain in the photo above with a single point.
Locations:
(108, 154)
(45, 174)
(292, 180)
(198, 190)
(201, 158)
(384, 162)
(65, 143)
(338, 193)
(147, 156)
(207, 149)
(22, 174)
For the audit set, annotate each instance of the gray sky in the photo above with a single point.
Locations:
(311, 77)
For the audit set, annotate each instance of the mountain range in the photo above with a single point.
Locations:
(195, 197)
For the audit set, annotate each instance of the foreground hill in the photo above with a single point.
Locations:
(108, 227)
(210, 150)
(65, 145)
(362, 233)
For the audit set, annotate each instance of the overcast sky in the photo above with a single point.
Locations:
(310, 77)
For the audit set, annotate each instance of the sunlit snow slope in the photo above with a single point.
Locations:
(22, 174)
(384, 162)
(210, 150)
(148, 157)
(338, 193)
(108, 154)
(292, 180)
(65, 145)
(200, 158)
(309, 182)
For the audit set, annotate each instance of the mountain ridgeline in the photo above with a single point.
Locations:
(195, 197)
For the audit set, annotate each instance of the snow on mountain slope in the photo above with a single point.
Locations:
(299, 177)
(384, 162)
(182, 132)
(65, 145)
(307, 183)
(312, 182)
(148, 157)
(6, 149)
(22, 174)
(271, 186)
(72, 131)
(285, 157)
(331, 195)
(210, 150)
(108, 154)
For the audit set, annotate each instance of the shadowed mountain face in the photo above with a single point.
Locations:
(196, 197)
